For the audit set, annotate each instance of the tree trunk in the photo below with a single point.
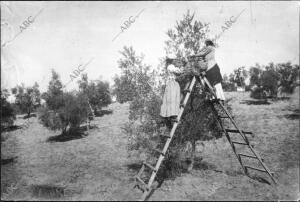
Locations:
(64, 131)
(28, 113)
(193, 155)
(87, 124)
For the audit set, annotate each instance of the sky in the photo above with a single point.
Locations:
(65, 35)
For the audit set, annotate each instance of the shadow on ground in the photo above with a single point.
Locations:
(260, 179)
(7, 161)
(47, 191)
(281, 98)
(134, 167)
(199, 164)
(103, 112)
(203, 165)
(288, 157)
(70, 135)
(31, 115)
(10, 128)
(294, 115)
(255, 102)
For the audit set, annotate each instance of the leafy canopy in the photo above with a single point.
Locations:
(27, 98)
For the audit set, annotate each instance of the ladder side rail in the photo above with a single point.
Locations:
(141, 170)
(139, 174)
(225, 110)
(245, 138)
(187, 86)
(236, 155)
(172, 131)
(161, 157)
(187, 97)
(263, 165)
(229, 140)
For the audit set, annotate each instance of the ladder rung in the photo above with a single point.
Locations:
(224, 117)
(214, 101)
(159, 151)
(186, 90)
(175, 120)
(143, 189)
(149, 166)
(142, 182)
(258, 169)
(243, 143)
(168, 136)
(236, 131)
(250, 156)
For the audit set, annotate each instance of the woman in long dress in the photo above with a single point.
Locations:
(171, 100)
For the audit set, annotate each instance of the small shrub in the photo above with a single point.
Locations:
(63, 110)
(7, 112)
(269, 80)
(258, 93)
(27, 98)
(49, 119)
(229, 87)
(97, 93)
(247, 88)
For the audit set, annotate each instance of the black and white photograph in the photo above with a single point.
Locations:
(150, 101)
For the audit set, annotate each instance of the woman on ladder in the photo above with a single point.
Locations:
(213, 73)
(171, 99)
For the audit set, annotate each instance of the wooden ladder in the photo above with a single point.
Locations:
(236, 130)
(147, 187)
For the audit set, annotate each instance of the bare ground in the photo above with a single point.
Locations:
(95, 167)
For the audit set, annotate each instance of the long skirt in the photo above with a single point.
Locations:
(213, 75)
(171, 100)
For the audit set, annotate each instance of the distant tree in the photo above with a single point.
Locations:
(63, 110)
(255, 74)
(227, 85)
(263, 81)
(124, 89)
(287, 76)
(54, 94)
(239, 76)
(97, 92)
(7, 113)
(133, 75)
(269, 79)
(27, 98)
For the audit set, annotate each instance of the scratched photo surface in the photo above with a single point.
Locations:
(150, 100)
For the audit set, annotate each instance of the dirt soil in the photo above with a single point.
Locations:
(97, 166)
